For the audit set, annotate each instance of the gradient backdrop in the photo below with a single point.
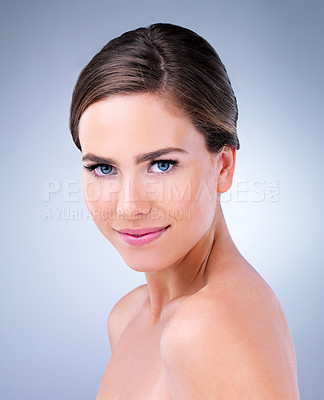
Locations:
(59, 275)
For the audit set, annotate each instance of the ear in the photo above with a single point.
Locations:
(227, 166)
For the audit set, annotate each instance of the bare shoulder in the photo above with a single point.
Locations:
(231, 340)
(123, 311)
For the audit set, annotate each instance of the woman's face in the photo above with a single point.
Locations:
(126, 186)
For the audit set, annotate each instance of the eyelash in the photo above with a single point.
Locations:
(92, 167)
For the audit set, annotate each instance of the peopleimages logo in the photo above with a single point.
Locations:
(65, 199)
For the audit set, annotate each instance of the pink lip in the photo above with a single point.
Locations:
(142, 231)
(147, 235)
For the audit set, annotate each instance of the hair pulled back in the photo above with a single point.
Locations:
(168, 60)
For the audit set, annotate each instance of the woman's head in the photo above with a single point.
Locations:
(172, 62)
(155, 118)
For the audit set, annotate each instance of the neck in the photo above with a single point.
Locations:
(191, 273)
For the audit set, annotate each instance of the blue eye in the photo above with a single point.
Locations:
(105, 169)
(164, 166)
(100, 170)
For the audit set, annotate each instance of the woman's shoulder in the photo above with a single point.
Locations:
(123, 311)
(238, 295)
(237, 290)
(233, 333)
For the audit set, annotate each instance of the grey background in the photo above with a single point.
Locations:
(59, 275)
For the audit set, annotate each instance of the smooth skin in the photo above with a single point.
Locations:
(206, 325)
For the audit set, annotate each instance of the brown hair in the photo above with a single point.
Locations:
(173, 62)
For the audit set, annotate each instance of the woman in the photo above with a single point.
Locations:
(154, 115)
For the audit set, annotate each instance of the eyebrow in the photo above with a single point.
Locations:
(138, 159)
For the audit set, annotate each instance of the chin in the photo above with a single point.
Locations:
(145, 262)
(153, 256)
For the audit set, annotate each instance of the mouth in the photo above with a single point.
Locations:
(139, 237)
(141, 231)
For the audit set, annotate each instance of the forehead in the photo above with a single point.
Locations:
(134, 122)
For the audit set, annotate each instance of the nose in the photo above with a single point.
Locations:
(132, 199)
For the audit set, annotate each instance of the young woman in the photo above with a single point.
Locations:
(154, 115)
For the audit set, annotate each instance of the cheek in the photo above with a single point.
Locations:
(92, 191)
(99, 189)
(100, 201)
(199, 207)
(190, 202)
(194, 192)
